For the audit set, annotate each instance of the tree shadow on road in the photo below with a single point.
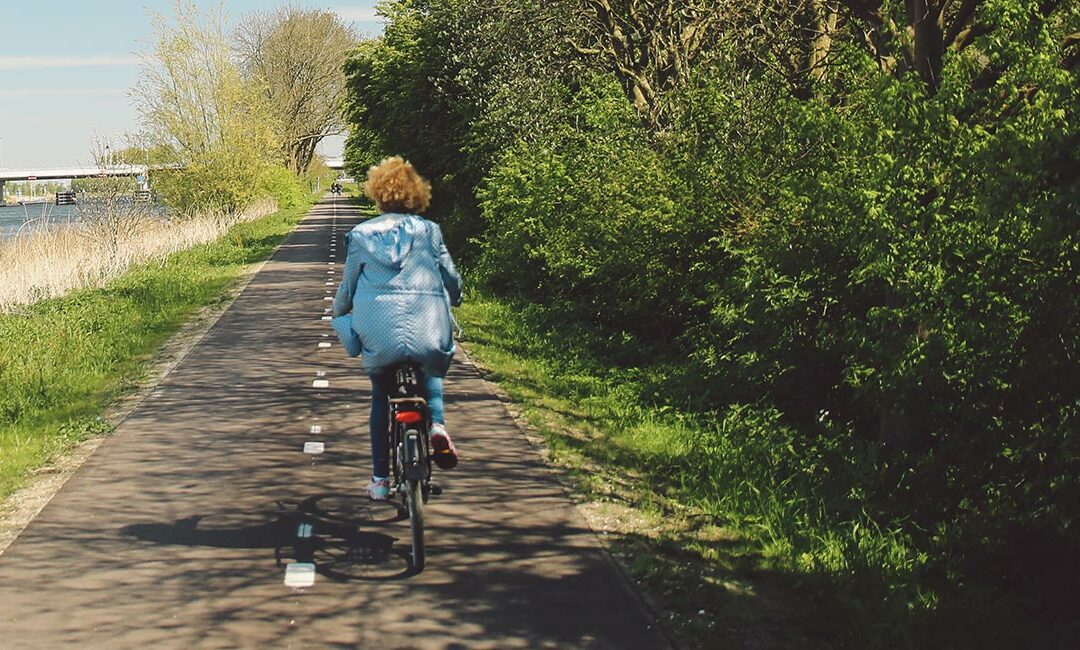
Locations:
(347, 537)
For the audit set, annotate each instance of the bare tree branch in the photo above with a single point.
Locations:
(297, 57)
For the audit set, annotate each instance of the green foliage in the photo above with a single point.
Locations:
(439, 68)
(105, 186)
(573, 215)
(282, 185)
(916, 293)
(868, 280)
(202, 115)
(217, 180)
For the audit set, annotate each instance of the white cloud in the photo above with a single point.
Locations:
(61, 92)
(28, 62)
(358, 14)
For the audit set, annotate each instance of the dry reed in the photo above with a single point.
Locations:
(50, 262)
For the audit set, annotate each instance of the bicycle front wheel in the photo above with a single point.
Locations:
(414, 501)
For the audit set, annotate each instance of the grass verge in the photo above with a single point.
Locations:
(714, 576)
(64, 360)
(732, 519)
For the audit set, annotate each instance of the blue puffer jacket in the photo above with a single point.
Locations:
(399, 282)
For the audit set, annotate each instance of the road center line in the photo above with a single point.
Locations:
(299, 575)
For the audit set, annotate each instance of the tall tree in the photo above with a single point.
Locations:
(194, 101)
(916, 34)
(652, 45)
(296, 56)
(190, 94)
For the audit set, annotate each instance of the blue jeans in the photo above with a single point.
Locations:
(382, 384)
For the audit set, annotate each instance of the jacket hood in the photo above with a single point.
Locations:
(389, 238)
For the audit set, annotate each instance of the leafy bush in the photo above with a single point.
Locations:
(904, 296)
(282, 185)
(898, 286)
(869, 278)
(571, 219)
(225, 181)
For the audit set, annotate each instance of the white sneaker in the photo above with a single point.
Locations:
(379, 489)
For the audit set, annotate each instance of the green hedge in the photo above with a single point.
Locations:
(870, 288)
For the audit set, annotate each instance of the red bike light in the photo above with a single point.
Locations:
(408, 417)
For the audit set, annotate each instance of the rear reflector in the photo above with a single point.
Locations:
(408, 417)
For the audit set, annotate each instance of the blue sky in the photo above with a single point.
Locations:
(66, 67)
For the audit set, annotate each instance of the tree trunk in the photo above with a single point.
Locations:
(928, 23)
(824, 25)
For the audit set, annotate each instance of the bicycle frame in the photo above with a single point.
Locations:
(410, 454)
(410, 425)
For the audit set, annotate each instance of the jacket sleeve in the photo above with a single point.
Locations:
(451, 279)
(350, 275)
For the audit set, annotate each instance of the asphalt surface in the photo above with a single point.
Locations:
(179, 531)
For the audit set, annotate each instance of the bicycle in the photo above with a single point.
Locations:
(410, 454)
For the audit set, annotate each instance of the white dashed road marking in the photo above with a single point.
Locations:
(314, 448)
(299, 575)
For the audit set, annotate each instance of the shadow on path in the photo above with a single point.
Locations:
(338, 539)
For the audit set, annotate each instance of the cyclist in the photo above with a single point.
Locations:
(398, 283)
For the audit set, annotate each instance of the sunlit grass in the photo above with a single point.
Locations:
(724, 468)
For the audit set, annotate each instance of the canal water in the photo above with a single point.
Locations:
(34, 215)
(26, 218)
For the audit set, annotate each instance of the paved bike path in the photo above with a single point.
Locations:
(178, 530)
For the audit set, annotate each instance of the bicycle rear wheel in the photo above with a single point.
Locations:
(414, 501)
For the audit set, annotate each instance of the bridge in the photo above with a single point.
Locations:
(97, 171)
(66, 173)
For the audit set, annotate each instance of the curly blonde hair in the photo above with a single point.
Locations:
(395, 186)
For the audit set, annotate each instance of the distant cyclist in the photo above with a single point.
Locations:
(398, 283)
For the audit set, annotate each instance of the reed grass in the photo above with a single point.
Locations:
(54, 260)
